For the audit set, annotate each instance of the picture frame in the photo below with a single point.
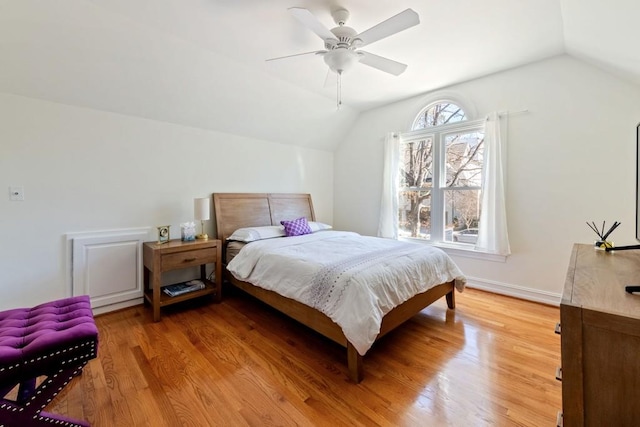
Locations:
(164, 234)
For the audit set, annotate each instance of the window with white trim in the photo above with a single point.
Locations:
(440, 176)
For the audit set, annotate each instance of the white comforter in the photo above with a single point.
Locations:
(353, 279)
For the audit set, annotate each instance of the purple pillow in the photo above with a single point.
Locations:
(296, 227)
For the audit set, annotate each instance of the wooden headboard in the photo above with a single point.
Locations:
(237, 210)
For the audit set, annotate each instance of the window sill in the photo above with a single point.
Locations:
(462, 250)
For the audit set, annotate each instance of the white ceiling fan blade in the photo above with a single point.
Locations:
(309, 20)
(383, 64)
(317, 52)
(395, 24)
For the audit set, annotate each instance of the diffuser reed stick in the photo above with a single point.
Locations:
(602, 242)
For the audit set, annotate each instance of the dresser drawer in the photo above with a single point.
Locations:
(188, 258)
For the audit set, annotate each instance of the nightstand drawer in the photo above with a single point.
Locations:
(188, 258)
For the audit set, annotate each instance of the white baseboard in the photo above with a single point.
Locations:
(117, 306)
(521, 292)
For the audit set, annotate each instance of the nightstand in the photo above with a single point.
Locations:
(174, 255)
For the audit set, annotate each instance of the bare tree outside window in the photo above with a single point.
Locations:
(462, 208)
(439, 114)
(416, 178)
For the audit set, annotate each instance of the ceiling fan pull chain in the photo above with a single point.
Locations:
(339, 90)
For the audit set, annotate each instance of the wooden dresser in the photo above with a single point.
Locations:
(600, 339)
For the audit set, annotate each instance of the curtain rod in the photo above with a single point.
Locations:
(512, 113)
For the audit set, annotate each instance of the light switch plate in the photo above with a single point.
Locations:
(16, 194)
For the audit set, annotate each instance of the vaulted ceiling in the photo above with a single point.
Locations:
(202, 63)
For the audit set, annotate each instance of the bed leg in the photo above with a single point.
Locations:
(451, 299)
(354, 361)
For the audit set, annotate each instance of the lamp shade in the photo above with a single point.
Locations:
(201, 209)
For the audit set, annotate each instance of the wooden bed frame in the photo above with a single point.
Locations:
(237, 210)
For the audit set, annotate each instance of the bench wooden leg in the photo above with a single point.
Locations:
(28, 409)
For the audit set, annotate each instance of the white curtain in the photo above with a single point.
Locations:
(492, 229)
(388, 225)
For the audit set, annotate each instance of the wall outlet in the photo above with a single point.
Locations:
(16, 194)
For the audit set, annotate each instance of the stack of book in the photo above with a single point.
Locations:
(183, 288)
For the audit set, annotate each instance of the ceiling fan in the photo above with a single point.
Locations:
(342, 44)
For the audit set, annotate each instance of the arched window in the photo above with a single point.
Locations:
(437, 114)
(440, 164)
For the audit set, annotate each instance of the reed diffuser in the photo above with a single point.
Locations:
(602, 242)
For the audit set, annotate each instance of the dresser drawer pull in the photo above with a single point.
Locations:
(559, 419)
(559, 373)
(189, 259)
(558, 329)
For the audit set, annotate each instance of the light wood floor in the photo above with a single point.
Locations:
(490, 362)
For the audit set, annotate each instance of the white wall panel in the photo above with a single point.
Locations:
(107, 266)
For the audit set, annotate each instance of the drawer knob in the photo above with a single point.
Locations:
(559, 373)
(189, 259)
(559, 419)
(558, 329)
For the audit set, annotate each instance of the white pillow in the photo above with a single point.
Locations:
(251, 234)
(319, 226)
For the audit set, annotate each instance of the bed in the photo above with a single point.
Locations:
(234, 211)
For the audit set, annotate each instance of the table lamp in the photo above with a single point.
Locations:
(201, 212)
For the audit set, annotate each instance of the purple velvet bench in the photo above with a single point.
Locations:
(53, 340)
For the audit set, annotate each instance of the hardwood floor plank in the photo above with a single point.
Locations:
(489, 362)
(310, 376)
(262, 357)
(158, 403)
(263, 400)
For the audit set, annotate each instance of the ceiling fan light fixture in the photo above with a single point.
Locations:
(341, 60)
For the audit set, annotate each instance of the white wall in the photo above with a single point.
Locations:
(87, 170)
(571, 159)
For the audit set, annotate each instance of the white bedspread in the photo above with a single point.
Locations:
(355, 280)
